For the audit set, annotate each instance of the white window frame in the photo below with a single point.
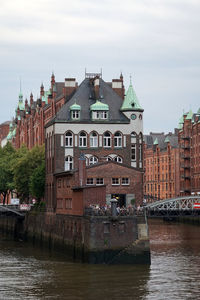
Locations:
(107, 140)
(82, 139)
(68, 139)
(125, 181)
(75, 114)
(118, 140)
(93, 160)
(115, 181)
(133, 151)
(90, 181)
(93, 139)
(68, 163)
(99, 181)
(100, 115)
(118, 159)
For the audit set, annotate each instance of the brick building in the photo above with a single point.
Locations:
(189, 142)
(98, 123)
(161, 164)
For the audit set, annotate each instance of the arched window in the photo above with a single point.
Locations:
(82, 139)
(93, 160)
(118, 159)
(108, 158)
(69, 139)
(93, 139)
(68, 163)
(117, 139)
(140, 138)
(133, 137)
(133, 146)
(107, 139)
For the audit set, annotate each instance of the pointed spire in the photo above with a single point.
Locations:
(189, 115)
(167, 140)
(131, 101)
(155, 142)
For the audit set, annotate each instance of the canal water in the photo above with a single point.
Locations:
(33, 273)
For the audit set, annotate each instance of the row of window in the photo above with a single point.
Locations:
(89, 161)
(94, 141)
(96, 115)
(114, 181)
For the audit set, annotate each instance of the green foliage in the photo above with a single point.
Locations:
(37, 182)
(26, 164)
(7, 158)
(23, 171)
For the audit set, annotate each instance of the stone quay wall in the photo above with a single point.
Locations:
(90, 239)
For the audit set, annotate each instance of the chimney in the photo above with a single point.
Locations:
(96, 87)
(118, 86)
(70, 87)
(82, 170)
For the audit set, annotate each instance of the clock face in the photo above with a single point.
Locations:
(133, 116)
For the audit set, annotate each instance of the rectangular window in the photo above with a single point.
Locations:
(125, 181)
(68, 203)
(99, 181)
(115, 181)
(90, 181)
(133, 152)
(100, 115)
(75, 114)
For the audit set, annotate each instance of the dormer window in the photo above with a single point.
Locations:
(99, 111)
(75, 111)
(100, 115)
(75, 114)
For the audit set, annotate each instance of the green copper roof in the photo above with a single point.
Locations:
(181, 121)
(131, 101)
(167, 139)
(99, 106)
(180, 126)
(189, 115)
(20, 101)
(75, 107)
(45, 97)
(155, 142)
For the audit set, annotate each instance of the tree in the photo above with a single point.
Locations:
(25, 165)
(37, 182)
(7, 157)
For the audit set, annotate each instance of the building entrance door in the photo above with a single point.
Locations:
(121, 198)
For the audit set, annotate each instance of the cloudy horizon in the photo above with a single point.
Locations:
(154, 41)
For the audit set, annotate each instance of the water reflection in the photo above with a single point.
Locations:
(32, 273)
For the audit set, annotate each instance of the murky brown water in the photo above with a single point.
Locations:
(31, 273)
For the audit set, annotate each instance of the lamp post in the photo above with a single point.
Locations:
(114, 207)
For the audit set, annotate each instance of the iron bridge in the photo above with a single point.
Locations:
(181, 206)
(11, 210)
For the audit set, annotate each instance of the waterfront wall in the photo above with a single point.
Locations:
(91, 239)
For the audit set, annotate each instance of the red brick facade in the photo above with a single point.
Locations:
(189, 142)
(161, 178)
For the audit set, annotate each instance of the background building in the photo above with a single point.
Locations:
(189, 144)
(161, 164)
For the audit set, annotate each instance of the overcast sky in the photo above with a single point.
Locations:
(155, 41)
